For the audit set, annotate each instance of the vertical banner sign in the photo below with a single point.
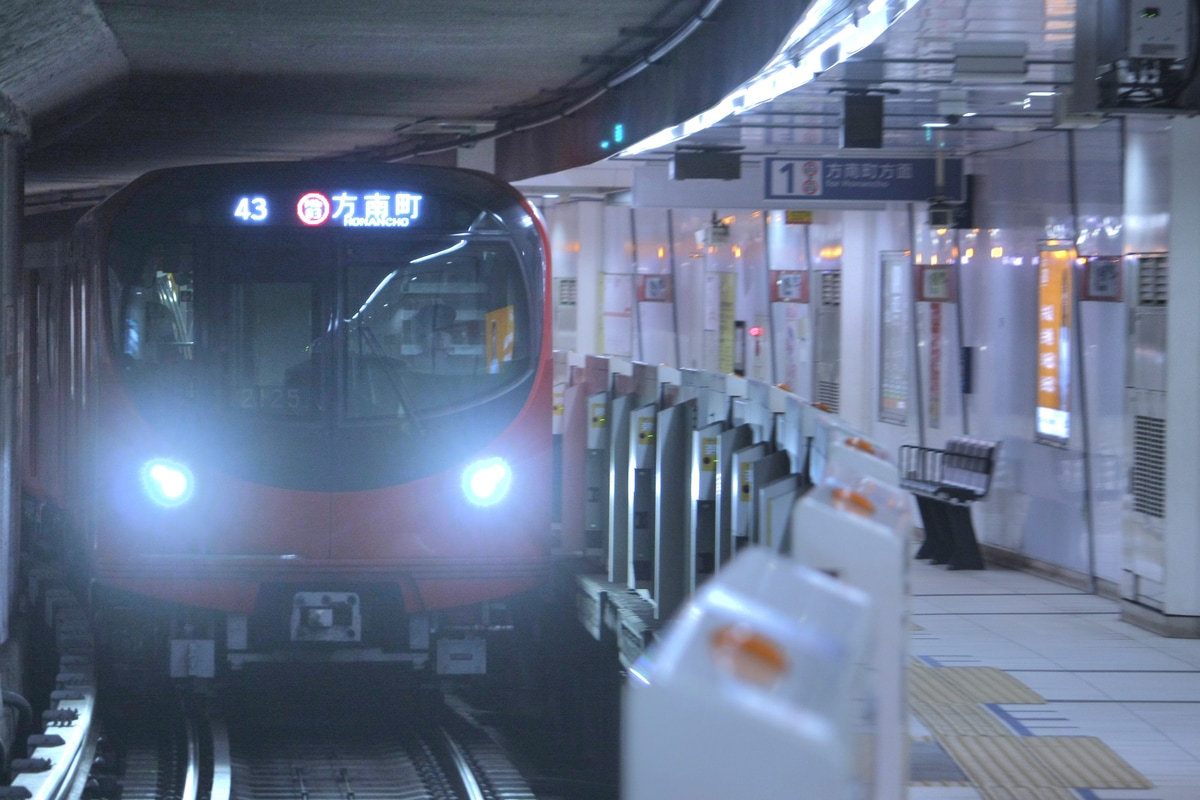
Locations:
(894, 340)
(1055, 286)
(935, 365)
(728, 298)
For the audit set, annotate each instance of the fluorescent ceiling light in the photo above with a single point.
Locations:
(785, 71)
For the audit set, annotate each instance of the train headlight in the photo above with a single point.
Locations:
(168, 483)
(486, 482)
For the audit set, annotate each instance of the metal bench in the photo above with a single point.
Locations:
(945, 483)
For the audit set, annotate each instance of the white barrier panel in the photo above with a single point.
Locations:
(836, 440)
(753, 692)
(857, 530)
(858, 455)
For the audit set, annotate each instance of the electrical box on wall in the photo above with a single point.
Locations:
(941, 215)
(1134, 56)
(1158, 29)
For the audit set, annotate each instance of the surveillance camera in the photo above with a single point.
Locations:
(941, 215)
(952, 104)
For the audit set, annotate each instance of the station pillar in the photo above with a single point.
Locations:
(11, 193)
(1180, 614)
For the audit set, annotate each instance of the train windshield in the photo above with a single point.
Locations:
(431, 327)
(384, 330)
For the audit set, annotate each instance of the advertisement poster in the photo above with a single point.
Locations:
(618, 315)
(793, 347)
(789, 286)
(654, 288)
(936, 284)
(1055, 286)
(1102, 279)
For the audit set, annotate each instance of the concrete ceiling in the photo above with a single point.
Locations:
(913, 66)
(106, 89)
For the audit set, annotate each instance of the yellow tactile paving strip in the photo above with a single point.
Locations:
(1000, 761)
(1021, 793)
(961, 720)
(926, 688)
(989, 685)
(1003, 766)
(1078, 759)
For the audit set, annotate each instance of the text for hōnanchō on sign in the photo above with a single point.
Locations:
(372, 209)
(860, 179)
(367, 210)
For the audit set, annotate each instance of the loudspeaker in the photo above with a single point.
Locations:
(862, 125)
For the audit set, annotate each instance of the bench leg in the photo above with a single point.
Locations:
(965, 554)
(938, 544)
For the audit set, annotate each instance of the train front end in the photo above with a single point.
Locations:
(322, 417)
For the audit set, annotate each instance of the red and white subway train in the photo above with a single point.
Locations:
(295, 411)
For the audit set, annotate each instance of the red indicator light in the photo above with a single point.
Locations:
(756, 331)
(313, 208)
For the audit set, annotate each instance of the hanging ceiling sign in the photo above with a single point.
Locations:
(862, 179)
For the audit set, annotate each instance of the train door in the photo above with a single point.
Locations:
(267, 313)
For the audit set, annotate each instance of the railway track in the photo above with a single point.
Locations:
(58, 757)
(183, 757)
(411, 748)
(311, 738)
(188, 759)
(309, 750)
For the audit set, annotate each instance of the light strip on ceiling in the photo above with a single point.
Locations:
(786, 72)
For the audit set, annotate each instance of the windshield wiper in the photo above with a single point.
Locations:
(392, 373)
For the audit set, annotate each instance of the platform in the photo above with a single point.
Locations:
(1078, 705)
(1020, 688)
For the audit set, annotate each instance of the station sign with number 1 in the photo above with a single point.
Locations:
(862, 179)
